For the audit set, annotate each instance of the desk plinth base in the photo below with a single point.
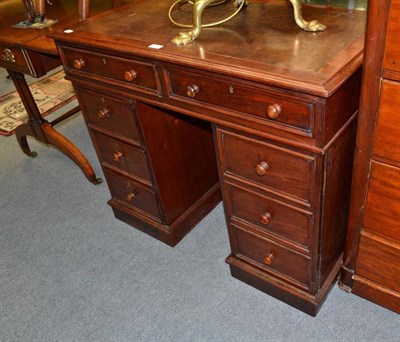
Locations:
(175, 232)
(301, 300)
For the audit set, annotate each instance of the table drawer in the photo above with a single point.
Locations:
(276, 168)
(257, 102)
(379, 261)
(132, 193)
(387, 143)
(382, 210)
(14, 59)
(272, 216)
(127, 72)
(110, 113)
(263, 253)
(128, 158)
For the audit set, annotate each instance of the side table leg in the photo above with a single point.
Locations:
(42, 130)
(59, 141)
(21, 132)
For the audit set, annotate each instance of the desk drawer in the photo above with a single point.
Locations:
(379, 261)
(278, 169)
(127, 72)
(272, 216)
(134, 194)
(128, 158)
(387, 143)
(263, 253)
(110, 113)
(14, 59)
(271, 106)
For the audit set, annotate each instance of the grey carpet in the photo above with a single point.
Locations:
(69, 271)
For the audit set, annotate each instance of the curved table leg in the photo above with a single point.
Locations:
(21, 132)
(42, 130)
(60, 142)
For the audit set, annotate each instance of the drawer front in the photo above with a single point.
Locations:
(123, 156)
(288, 172)
(271, 106)
(382, 210)
(270, 256)
(127, 72)
(379, 261)
(13, 58)
(135, 195)
(272, 216)
(391, 59)
(387, 142)
(110, 113)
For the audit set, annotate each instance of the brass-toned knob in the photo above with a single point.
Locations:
(262, 168)
(79, 63)
(129, 197)
(130, 75)
(103, 113)
(268, 258)
(273, 111)
(118, 157)
(192, 90)
(265, 218)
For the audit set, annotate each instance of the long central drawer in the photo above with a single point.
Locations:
(253, 101)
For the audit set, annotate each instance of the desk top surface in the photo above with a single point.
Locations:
(262, 43)
(13, 12)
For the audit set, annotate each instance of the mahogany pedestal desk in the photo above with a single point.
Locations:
(257, 108)
(27, 51)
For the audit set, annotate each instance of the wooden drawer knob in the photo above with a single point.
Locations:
(268, 259)
(79, 63)
(130, 75)
(103, 113)
(192, 90)
(265, 218)
(262, 168)
(118, 157)
(273, 111)
(129, 197)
